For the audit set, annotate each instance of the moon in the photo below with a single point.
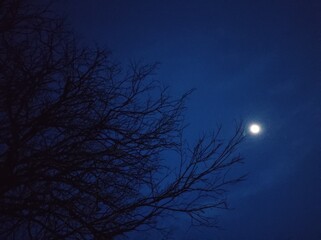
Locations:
(255, 128)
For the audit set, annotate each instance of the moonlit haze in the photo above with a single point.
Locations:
(258, 61)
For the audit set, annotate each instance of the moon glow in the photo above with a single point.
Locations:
(255, 128)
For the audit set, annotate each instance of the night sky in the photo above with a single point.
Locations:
(253, 60)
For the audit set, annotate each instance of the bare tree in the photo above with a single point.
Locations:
(84, 145)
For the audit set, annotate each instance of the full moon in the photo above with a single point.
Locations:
(255, 128)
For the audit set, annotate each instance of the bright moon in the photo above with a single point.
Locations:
(255, 129)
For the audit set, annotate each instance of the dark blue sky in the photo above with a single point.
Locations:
(256, 60)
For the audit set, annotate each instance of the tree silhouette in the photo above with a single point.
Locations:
(84, 145)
